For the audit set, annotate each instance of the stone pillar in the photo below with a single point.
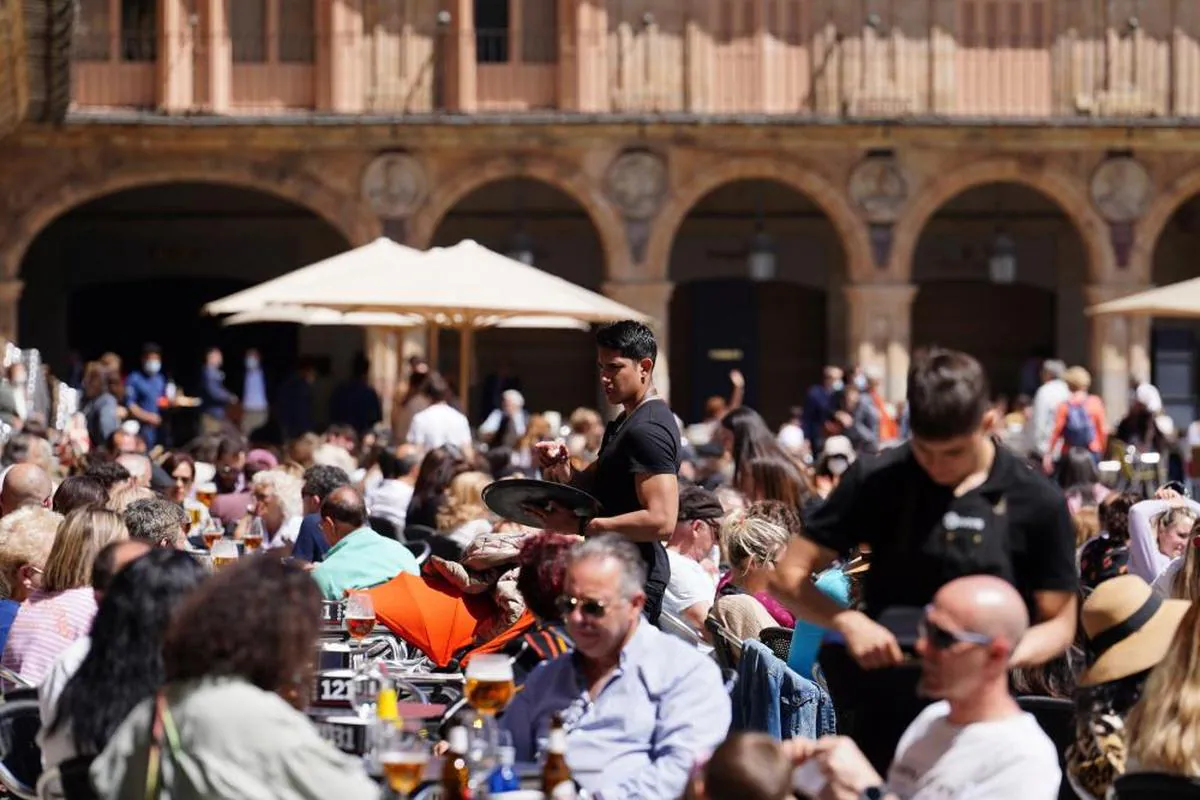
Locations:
(10, 300)
(879, 317)
(1120, 349)
(341, 86)
(459, 48)
(176, 57)
(654, 299)
(219, 63)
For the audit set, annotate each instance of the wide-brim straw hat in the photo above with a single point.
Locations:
(1128, 628)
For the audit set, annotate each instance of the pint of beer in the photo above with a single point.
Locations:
(359, 627)
(194, 516)
(359, 619)
(212, 536)
(403, 770)
(490, 684)
(224, 553)
(206, 493)
(253, 537)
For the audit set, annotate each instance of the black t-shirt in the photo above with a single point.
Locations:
(646, 442)
(1015, 525)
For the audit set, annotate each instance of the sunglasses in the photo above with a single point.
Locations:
(941, 639)
(596, 609)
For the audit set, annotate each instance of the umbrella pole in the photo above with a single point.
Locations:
(466, 342)
(431, 345)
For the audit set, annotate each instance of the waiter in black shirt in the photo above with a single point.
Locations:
(635, 474)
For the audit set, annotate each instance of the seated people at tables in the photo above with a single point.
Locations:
(26, 537)
(277, 505)
(319, 481)
(358, 557)
(237, 657)
(158, 522)
(691, 587)
(974, 742)
(752, 544)
(640, 706)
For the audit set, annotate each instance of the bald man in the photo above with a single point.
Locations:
(974, 741)
(25, 485)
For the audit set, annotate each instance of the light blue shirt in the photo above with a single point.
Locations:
(360, 560)
(254, 393)
(662, 710)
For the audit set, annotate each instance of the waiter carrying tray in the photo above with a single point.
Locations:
(635, 474)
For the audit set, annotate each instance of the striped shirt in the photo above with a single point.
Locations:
(46, 625)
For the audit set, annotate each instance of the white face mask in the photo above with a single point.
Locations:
(251, 363)
(152, 367)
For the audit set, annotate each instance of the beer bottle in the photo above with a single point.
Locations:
(455, 773)
(556, 775)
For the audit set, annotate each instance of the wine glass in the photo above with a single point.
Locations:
(403, 757)
(253, 538)
(224, 553)
(359, 618)
(490, 683)
(211, 533)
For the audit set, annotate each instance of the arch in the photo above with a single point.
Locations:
(1149, 229)
(345, 214)
(1066, 190)
(830, 199)
(568, 179)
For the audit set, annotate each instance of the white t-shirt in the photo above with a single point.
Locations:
(689, 584)
(439, 425)
(1010, 758)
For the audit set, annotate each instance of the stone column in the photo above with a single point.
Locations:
(654, 299)
(176, 57)
(879, 317)
(219, 61)
(1120, 348)
(10, 299)
(340, 74)
(459, 56)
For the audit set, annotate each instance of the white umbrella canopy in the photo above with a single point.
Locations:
(339, 269)
(1179, 300)
(311, 316)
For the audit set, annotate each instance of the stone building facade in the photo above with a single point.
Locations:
(779, 183)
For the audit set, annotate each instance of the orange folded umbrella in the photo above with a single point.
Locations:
(518, 629)
(429, 613)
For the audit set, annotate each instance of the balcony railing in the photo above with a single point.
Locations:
(643, 70)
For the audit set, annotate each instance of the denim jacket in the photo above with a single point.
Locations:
(771, 698)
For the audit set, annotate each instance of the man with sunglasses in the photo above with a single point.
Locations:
(640, 706)
(635, 475)
(975, 741)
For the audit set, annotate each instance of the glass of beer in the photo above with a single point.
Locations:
(206, 493)
(212, 534)
(224, 553)
(253, 538)
(195, 517)
(490, 684)
(359, 619)
(403, 757)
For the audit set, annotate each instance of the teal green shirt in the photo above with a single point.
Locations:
(361, 560)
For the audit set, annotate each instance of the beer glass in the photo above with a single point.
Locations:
(359, 619)
(253, 538)
(403, 757)
(490, 683)
(194, 516)
(206, 493)
(224, 553)
(212, 533)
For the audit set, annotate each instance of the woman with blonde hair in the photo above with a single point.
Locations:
(1159, 531)
(1164, 727)
(464, 515)
(61, 609)
(751, 542)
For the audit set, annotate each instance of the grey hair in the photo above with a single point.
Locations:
(155, 521)
(619, 549)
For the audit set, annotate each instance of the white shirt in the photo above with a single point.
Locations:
(1000, 760)
(439, 425)
(1166, 579)
(59, 746)
(389, 499)
(1049, 397)
(689, 584)
(287, 534)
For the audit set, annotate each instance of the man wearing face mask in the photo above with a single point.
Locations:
(145, 394)
(254, 394)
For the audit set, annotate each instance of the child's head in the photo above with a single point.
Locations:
(748, 766)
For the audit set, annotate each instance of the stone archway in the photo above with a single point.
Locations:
(1068, 191)
(1150, 228)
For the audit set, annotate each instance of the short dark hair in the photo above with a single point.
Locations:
(322, 479)
(104, 567)
(345, 505)
(108, 473)
(78, 491)
(151, 349)
(948, 394)
(630, 338)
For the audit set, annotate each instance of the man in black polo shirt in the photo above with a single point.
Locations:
(635, 474)
(947, 503)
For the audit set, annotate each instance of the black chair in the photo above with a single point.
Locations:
(1156, 786)
(20, 756)
(1056, 717)
(444, 547)
(384, 527)
(725, 646)
(778, 640)
(419, 549)
(76, 783)
(418, 533)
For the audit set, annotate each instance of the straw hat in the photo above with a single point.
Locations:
(1128, 628)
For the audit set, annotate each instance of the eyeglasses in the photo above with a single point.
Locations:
(941, 639)
(596, 609)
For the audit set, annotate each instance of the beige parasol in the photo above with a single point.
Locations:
(1179, 300)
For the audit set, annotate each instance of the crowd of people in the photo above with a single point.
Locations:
(964, 611)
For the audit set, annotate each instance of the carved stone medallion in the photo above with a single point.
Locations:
(394, 185)
(878, 188)
(637, 183)
(1121, 189)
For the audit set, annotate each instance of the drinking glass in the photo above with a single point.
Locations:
(403, 757)
(224, 553)
(359, 619)
(253, 537)
(490, 683)
(206, 493)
